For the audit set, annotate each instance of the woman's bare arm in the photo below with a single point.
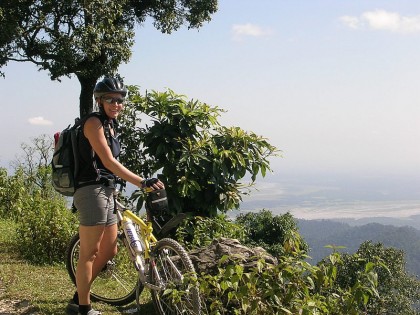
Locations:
(94, 132)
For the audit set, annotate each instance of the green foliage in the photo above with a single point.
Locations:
(32, 174)
(88, 39)
(45, 229)
(397, 291)
(200, 161)
(291, 287)
(200, 231)
(18, 187)
(44, 224)
(7, 237)
(12, 194)
(277, 234)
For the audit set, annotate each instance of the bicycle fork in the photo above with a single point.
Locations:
(172, 269)
(158, 278)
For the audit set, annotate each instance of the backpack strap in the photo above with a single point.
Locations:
(105, 123)
(74, 138)
(107, 132)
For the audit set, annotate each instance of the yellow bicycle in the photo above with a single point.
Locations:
(162, 266)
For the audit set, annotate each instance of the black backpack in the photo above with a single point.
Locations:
(65, 161)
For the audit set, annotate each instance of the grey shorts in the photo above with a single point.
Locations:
(95, 205)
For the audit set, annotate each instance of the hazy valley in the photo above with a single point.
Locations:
(346, 211)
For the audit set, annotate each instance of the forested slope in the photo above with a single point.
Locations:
(319, 233)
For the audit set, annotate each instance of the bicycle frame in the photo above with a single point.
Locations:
(146, 238)
(146, 228)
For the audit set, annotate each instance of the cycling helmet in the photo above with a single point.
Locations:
(109, 85)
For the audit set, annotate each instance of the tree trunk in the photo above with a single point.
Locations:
(87, 85)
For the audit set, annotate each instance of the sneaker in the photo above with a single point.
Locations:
(72, 307)
(92, 312)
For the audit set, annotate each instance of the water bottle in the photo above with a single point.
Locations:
(132, 237)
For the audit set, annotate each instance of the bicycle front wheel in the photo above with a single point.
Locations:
(117, 282)
(171, 270)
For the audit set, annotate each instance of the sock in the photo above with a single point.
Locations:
(84, 309)
(76, 297)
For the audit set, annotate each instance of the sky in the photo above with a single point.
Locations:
(332, 84)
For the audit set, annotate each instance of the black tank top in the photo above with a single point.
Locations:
(91, 168)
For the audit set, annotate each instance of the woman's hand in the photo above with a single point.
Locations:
(153, 183)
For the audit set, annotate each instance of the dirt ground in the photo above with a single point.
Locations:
(14, 307)
(10, 307)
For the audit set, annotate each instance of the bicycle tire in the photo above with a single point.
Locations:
(172, 261)
(116, 284)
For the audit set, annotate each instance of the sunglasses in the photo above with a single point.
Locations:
(112, 100)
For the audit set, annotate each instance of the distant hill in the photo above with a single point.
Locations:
(319, 233)
(413, 221)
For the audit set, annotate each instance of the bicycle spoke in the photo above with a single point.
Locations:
(116, 284)
(167, 261)
(172, 264)
(124, 284)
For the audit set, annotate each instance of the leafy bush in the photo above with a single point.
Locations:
(44, 224)
(7, 236)
(291, 287)
(201, 231)
(13, 192)
(32, 173)
(397, 290)
(272, 232)
(45, 229)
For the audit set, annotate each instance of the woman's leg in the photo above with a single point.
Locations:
(90, 241)
(107, 249)
(98, 236)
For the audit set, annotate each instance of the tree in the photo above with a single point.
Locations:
(34, 162)
(200, 161)
(89, 38)
(398, 291)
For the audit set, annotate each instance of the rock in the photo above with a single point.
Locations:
(206, 260)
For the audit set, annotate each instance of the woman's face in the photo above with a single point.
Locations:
(112, 103)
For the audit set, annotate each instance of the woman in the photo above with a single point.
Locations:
(99, 147)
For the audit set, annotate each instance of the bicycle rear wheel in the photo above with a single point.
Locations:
(117, 282)
(173, 269)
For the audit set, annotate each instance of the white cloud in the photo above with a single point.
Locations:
(240, 31)
(384, 21)
(39, 121)
(351, 21)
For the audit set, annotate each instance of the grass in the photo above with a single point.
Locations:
(47, 288)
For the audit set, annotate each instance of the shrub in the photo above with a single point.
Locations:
(13, 191)
(201, 231)
(291, 287)
(272, 232)
(45, 229)
(398, 291)
(44, 224)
